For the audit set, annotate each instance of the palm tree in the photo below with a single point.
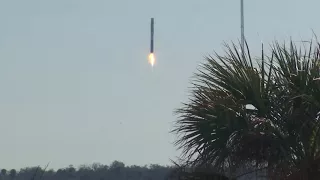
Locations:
(258, 113)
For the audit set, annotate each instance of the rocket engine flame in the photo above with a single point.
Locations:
(152, 59)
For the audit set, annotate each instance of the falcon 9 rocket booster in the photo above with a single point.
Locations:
(152, 59)
(152, 35)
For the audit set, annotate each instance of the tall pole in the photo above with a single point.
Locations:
(242, 28)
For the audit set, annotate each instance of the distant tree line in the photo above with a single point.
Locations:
(115, 171)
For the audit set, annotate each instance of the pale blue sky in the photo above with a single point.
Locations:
(76, 86)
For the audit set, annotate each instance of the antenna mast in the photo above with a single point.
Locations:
(242, 29)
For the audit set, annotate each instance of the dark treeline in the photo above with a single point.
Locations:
(115, 171)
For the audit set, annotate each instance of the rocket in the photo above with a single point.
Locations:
(152, 59)
(152, 35)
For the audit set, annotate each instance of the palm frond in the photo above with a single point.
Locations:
(281, 128)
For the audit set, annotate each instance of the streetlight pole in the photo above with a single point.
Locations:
(242, 28)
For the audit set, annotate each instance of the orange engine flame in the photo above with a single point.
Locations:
(152, 59)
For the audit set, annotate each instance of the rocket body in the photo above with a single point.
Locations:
(152, 35)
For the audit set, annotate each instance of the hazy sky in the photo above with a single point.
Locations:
(76, 86)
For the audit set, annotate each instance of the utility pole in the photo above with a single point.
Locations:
(242, 28)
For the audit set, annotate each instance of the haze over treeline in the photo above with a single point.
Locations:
(115, 171)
